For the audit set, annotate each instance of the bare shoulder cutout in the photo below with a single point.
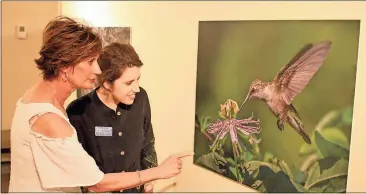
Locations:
(51, 125)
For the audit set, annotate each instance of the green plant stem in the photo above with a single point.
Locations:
(236, 155)
(308, 162)
(241, 153)
(207, 136)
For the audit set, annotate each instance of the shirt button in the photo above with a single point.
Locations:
(118, 113)
(122, 153)
(120, 133)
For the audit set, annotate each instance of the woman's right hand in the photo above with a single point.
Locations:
(171, 166)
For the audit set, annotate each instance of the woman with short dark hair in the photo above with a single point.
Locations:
(46, 155)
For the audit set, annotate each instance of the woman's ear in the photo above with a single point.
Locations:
(67, 70)
(64, 73)
(107, 86)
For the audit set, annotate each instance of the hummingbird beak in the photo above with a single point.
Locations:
(246, 99)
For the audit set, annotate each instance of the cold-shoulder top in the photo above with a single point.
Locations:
(43, 164)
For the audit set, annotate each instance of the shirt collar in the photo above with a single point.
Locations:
(104, 109)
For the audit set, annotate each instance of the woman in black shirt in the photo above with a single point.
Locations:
(113, 122)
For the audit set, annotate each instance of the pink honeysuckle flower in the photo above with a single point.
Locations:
(221, 127)
(231, 125)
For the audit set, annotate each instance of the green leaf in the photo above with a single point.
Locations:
(234, 172)
(284, 167)
(203, 123)
(320, 188)
(339, 184)
(268, 157)
(212, 161)
(258, 185)
(338, 170)
(274, 179)
(307, 149)
(347, 115)
(230, 161)
(246, 145)
(313, 175)
(326, 172)
(328, 148)
(299, 176)
(270, 178)
(255, 165)
(248, 156)
(309, 161)
(336, 136)
(330, 119)
(299, 187)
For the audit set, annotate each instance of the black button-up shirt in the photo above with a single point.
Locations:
(119, 140)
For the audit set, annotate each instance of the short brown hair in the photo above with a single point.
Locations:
(114, 59)
(66, 43)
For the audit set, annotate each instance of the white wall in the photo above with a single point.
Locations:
(19, 71)
(165, 34)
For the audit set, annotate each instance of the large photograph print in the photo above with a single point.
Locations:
(109, 35)
(274, 102)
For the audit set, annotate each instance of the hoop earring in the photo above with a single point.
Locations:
(65, 78)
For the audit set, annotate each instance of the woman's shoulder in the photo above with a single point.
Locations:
(52, 125)
(35, 102)
(42, 114)
(79, 105)
(142, 94)
(36, 95)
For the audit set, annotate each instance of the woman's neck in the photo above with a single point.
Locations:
(106, 97)
(60, 89)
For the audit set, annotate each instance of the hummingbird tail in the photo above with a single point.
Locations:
(304, 135)
(295, 121)
(299, 128)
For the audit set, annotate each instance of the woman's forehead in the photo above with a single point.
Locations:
(130, 73)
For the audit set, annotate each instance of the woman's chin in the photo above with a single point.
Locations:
(128, 101)
(87, 86)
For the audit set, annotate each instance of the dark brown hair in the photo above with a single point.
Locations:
(66, 43)
(114, 59)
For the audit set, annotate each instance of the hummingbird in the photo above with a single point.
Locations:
(279, 93)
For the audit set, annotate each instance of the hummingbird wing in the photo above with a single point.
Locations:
(295, 76)
(301, 53)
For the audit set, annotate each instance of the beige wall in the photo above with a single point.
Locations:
(19, 71)
(165, 35)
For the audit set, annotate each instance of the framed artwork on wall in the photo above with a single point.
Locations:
(274, 102)
(109, 35)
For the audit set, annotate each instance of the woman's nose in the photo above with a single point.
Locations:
(96, 69)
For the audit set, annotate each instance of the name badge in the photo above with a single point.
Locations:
(103, 131)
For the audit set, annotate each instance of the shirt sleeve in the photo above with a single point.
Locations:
(63, 162)
(148, 153)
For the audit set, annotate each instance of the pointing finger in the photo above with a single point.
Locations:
(184, 154)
